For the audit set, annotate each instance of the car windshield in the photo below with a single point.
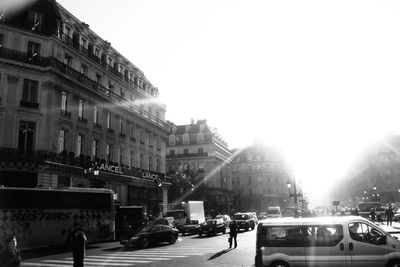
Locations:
(211, 222)
(273, 212)
(241, 217)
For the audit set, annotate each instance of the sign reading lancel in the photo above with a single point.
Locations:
(110, 168)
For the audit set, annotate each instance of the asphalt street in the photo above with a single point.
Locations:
(189, 250)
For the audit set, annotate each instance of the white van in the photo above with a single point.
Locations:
(274, 212)
(325, 242)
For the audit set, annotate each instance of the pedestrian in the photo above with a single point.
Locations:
(232, 233)
(372, 214)
(79, 247)
(389, 215)
(10, 256)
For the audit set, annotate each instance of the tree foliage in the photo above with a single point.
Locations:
(182, 184)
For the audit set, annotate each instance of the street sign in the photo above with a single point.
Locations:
(335, 202)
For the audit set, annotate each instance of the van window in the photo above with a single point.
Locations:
(283, 236)
(324, 235)
(365, 233)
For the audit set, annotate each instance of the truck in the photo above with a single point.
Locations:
(186, 211)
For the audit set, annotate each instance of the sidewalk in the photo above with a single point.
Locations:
(395, 228)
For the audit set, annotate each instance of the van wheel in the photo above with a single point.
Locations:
(394, 263)
(279, 264)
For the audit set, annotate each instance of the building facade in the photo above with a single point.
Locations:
(199, 149)
(373, 176)
(71, 105)
(259, 177)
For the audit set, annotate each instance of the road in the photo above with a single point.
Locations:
(188, 251)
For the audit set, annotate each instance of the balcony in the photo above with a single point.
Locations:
(122, 135)
(96, 125)
(83, 120)
(66, 113)
(109, 130)
(28, 104)
(58, 66)
(189, 155)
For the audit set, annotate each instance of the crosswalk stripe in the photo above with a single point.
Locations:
(133, 258)
(43, 264)
(165, 253)
(88, 263)
(142, 256)
(157, 254)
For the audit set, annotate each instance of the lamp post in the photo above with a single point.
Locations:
(294, 195)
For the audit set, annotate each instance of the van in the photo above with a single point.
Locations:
(326, 241)
(274, 212)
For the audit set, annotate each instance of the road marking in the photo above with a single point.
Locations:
(86, 262)
(138, 257)
(43, 264)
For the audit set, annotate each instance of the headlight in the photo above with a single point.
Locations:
(134, 237)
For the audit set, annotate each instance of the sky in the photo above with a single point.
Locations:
(318, 79)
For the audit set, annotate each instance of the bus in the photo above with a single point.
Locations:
(364, 208)
(47, 217)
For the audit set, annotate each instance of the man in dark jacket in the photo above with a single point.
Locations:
(232, 233)
(389, 215)
(11, 255)
(79, 246)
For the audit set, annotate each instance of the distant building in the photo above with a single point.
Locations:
(259, 177)
(71, 104)
(374, 176)
(199, 148)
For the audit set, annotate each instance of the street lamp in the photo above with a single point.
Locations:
(294, 195)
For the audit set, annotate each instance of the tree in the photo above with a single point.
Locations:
(182, 184)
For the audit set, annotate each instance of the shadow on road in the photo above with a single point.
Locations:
(48, 251)
(121, 248)
(222, 252)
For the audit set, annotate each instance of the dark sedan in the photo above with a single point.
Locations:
(150, 234)
(191, 227)
(212, 227)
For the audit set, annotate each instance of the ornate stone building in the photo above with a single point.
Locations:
(259, 176)
(198, 148)
(70, 104)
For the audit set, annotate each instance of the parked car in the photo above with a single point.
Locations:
(396, 216)
(212, 227)
(274, 212)
(170, 221)
(191, 227)
(245, 221)
(150, 234)
(227, 220)
(262, 216)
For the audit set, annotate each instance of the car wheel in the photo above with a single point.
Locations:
(279, 264)
(172, 239)
(224, 231)
(252, 227)
(200, 234)
(394, 263)
(145, 242)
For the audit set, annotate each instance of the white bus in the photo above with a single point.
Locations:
(45, 217)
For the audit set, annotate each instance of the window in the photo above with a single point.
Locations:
(141, 133)
(158, 142)
(201, 165)
(35, 21)
(81, 110)
(68, 60)
(200, 138)
(63, 101)
(187, 128)
(172, 152)
(120, 152)
(141, 161)
(122, 92)
(186, 139)
(68, 31)
(30, 91)
(33, 52)
(202, 126)
(83, 42)
(95, 148)
(61, 140)
(108, 120)
(365, 233)
(110, 85)
(1, 39)
(132, 131)
(98, 78)
(79, 144)
(95, 115)
(249, 179)
(120, 68)
(84, 69)
(323, 235)
(97, 52)
(132, 159)
(186, 151)
(150, 163)
(26, 136)
(110, 61)
(171, 140)
(109, 152)
(158, 165)
(121, 126)
(200, 150)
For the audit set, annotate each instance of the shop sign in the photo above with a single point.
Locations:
(110, 168)
(148, 175)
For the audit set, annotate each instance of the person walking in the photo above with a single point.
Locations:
(79, 247)
(10, 256)
(372, 214)
(389, 215)
(232, 233)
